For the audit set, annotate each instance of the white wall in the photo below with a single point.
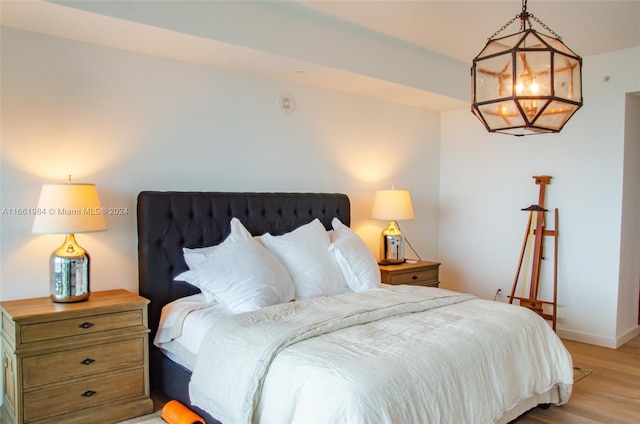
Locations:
(486, 179)
(129, 122)
(630, 240)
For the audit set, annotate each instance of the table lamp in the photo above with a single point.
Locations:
(69, 208)
(392, 205)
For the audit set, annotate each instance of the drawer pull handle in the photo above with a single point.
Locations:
(414, 277)
(86, 325)
(88, 361)
(89, 393)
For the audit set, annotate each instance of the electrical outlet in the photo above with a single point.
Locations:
(499, 295)
(286, 103)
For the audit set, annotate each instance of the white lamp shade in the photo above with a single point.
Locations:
(392, 205)
(69, 208)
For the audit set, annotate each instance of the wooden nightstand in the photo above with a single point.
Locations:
(76, 362)
(423, 273)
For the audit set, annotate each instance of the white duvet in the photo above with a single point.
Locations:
(399, 354)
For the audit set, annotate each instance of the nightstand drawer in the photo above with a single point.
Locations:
(61, 366)
(83, 394)
(416, 277)
(420, 273)
(80, 326)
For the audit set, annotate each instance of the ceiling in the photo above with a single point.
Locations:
(456, 29)
(460, 28)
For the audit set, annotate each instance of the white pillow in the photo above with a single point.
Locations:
(356, 262)
(304, 252)
(196, 257)
(241, 274)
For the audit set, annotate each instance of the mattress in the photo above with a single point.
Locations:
(183, 324)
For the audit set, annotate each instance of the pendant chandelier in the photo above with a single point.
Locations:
(526, 83)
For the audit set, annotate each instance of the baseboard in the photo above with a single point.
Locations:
(629, 335)
(610, 342)
(588, 338)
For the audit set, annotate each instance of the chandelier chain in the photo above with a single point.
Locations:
(545, 26)
(524, 17)
(495, 34)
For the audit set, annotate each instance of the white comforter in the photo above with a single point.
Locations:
(392, 355)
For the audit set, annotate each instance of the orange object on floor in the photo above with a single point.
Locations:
(174, 412)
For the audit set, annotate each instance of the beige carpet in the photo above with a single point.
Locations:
(147, 419)
(579, 373)
(155, 420)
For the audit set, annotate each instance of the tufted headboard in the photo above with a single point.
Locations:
(169, 221)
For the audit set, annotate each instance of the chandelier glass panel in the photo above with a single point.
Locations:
(526, 83)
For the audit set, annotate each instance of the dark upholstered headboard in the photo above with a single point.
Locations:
(169, 221)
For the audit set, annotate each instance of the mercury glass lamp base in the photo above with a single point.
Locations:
(390, 262)
(69, 273)
(391, 245)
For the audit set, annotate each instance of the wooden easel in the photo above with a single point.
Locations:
(537, 231)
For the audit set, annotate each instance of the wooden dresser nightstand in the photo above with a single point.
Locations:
(423, 273)
(84, 362)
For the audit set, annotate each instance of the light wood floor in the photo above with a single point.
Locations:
(610, 394)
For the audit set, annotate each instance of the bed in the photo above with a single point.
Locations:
(384, 354)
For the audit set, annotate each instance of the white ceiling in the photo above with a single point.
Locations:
(457, 29)
(460, 28)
